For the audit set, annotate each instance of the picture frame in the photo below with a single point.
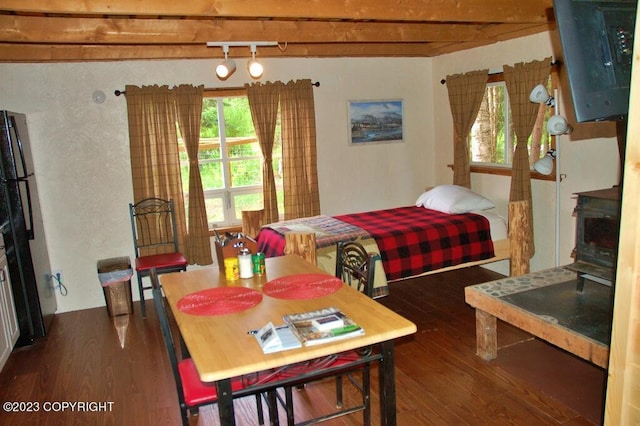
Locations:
(376, 121)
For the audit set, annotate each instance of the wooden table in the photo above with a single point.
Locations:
(221, 348)
(520, 301)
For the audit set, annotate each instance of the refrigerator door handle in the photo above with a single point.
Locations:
(20, 153)
(29, 216)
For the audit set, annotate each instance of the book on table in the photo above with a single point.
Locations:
(275, 339)
(322, 326)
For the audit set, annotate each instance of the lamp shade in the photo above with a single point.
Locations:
(557, 125)
(545, 164)
(540, 95)
(225, 69)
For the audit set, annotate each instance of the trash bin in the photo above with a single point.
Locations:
(115, 276)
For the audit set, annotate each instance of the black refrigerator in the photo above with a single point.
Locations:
(23, 231)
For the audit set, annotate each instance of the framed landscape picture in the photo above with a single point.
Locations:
(375, 121)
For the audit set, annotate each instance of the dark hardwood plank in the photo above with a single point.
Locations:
(439, 379)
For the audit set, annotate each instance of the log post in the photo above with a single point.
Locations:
(486, 335)
(519, 225)
(252, 222)
(302, 244)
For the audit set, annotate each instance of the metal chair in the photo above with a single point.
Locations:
(155, 240)
(192, 392)
(355, 267)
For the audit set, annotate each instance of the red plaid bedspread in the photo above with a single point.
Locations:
(413, 240)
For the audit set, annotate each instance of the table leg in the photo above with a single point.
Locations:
(486, 335)
(387, 385)
(225, 403)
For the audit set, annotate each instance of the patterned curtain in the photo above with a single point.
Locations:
(153, 142)
(520, 80)
(189, 111)
(465, 96)
(263, 101)
(300, 172)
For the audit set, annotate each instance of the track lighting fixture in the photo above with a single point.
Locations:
(228, 66)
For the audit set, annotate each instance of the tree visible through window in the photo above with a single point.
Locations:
(492, 139)
(230, 161)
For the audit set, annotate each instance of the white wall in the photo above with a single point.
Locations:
(82, 164)
(588, 164)
(81, 151)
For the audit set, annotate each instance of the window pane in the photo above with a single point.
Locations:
(247, 202)
(209, 122)
(215, 210)
(211, 175)
(237, 118)
(246, 172)
(487, 139)
(209, 149)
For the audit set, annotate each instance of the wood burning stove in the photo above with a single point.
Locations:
(597, 230)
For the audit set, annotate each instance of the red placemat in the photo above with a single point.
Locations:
(302, 286)
(219, 301)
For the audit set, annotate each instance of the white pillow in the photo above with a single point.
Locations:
(453, 199)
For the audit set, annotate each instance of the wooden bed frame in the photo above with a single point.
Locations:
(514, 248)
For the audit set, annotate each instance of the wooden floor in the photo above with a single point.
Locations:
(81, 375)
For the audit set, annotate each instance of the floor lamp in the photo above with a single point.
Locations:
(556, 126)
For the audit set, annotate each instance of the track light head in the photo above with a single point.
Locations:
(227, 67)
(254, 67)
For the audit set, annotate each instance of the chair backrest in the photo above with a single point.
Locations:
(355, 266)
(165, 327)
(153, 225)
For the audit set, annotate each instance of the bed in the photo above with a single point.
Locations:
(439, 233)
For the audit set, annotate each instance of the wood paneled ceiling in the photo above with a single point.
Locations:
(112, 30)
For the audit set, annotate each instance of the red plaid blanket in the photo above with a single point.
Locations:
(413, 240)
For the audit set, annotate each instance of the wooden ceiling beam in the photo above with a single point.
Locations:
(86, 53)
(36, 29)
(536, 11)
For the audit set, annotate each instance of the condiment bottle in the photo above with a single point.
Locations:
(245, 264)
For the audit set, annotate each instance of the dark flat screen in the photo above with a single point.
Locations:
(597, 44)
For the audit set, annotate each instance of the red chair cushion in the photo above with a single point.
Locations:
(160, 261)
(197, 392)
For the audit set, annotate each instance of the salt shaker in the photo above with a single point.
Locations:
(245, 263)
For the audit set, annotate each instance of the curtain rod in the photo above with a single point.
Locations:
(124, 92)
(553, 63)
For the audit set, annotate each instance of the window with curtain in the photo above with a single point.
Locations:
(492, 139)
(230, 159)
